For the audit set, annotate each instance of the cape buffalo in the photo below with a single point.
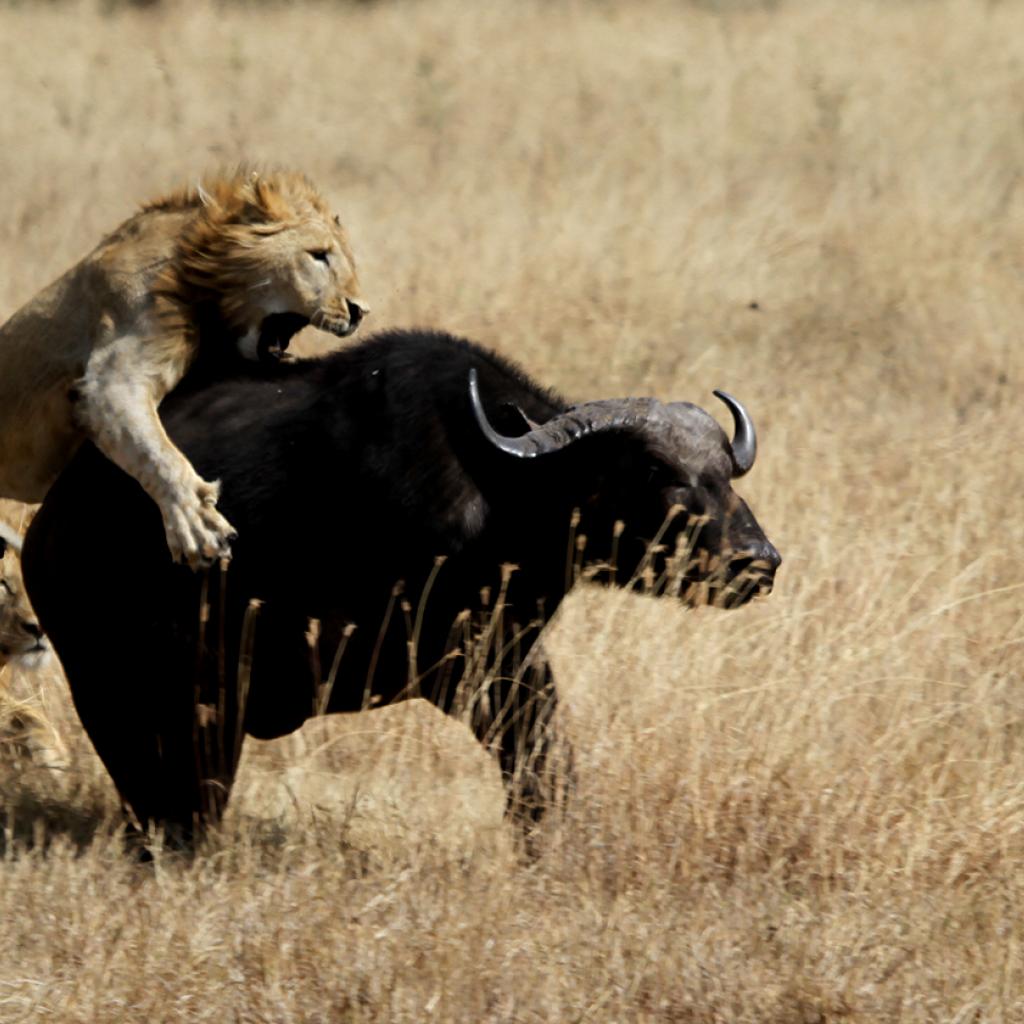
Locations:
(391, 486)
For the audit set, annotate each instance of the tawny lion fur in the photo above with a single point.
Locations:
(92, 355)
(25, 734)
(21, 639)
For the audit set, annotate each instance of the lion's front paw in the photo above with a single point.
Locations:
(197, 533)
(208, 492)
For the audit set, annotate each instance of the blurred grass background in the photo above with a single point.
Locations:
(808, 810)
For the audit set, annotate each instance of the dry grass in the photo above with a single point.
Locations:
(809, 810)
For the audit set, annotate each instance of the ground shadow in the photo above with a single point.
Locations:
(33, 820)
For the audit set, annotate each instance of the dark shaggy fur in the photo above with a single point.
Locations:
(347, 478)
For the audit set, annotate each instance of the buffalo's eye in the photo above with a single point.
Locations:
(688, 498)
(321, 255)
(659, 473)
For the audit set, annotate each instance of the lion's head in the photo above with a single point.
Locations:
(265, 251)
(21, 639)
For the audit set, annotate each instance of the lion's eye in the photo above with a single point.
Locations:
(319, 254)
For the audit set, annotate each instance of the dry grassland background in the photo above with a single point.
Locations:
(808, 810)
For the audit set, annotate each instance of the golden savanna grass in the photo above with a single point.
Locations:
(811, 809)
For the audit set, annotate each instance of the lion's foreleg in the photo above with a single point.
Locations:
(116, 405)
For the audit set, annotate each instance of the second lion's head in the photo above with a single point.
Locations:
(268, 254)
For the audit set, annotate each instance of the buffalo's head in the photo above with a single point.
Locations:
(652, 483)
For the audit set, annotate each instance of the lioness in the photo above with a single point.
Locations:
(21, 638)
(251, 257)
(26, 736)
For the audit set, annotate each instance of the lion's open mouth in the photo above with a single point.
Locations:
(276, 333)
(339, 326)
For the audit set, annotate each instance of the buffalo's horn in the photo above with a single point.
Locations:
(562, 430)
(744, 442)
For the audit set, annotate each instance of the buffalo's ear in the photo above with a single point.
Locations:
(512, 421)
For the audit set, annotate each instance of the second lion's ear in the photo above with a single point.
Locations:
(9, 538)
(262, 202)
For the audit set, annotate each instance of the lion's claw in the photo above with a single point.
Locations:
(197, 534)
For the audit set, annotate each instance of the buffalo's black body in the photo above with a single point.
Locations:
(346, 479)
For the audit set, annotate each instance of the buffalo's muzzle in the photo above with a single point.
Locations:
(752, 571)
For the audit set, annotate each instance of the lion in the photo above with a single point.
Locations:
(247, 257)
(21, 638)
(26, 736)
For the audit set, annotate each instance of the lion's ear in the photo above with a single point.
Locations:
(9, 539)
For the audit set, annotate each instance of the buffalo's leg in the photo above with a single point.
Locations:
(534, 767)
(172, 756)
(513, 714)
(161, 714)
(159, 705)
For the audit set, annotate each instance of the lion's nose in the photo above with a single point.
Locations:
(356, 312)
(33, 629)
